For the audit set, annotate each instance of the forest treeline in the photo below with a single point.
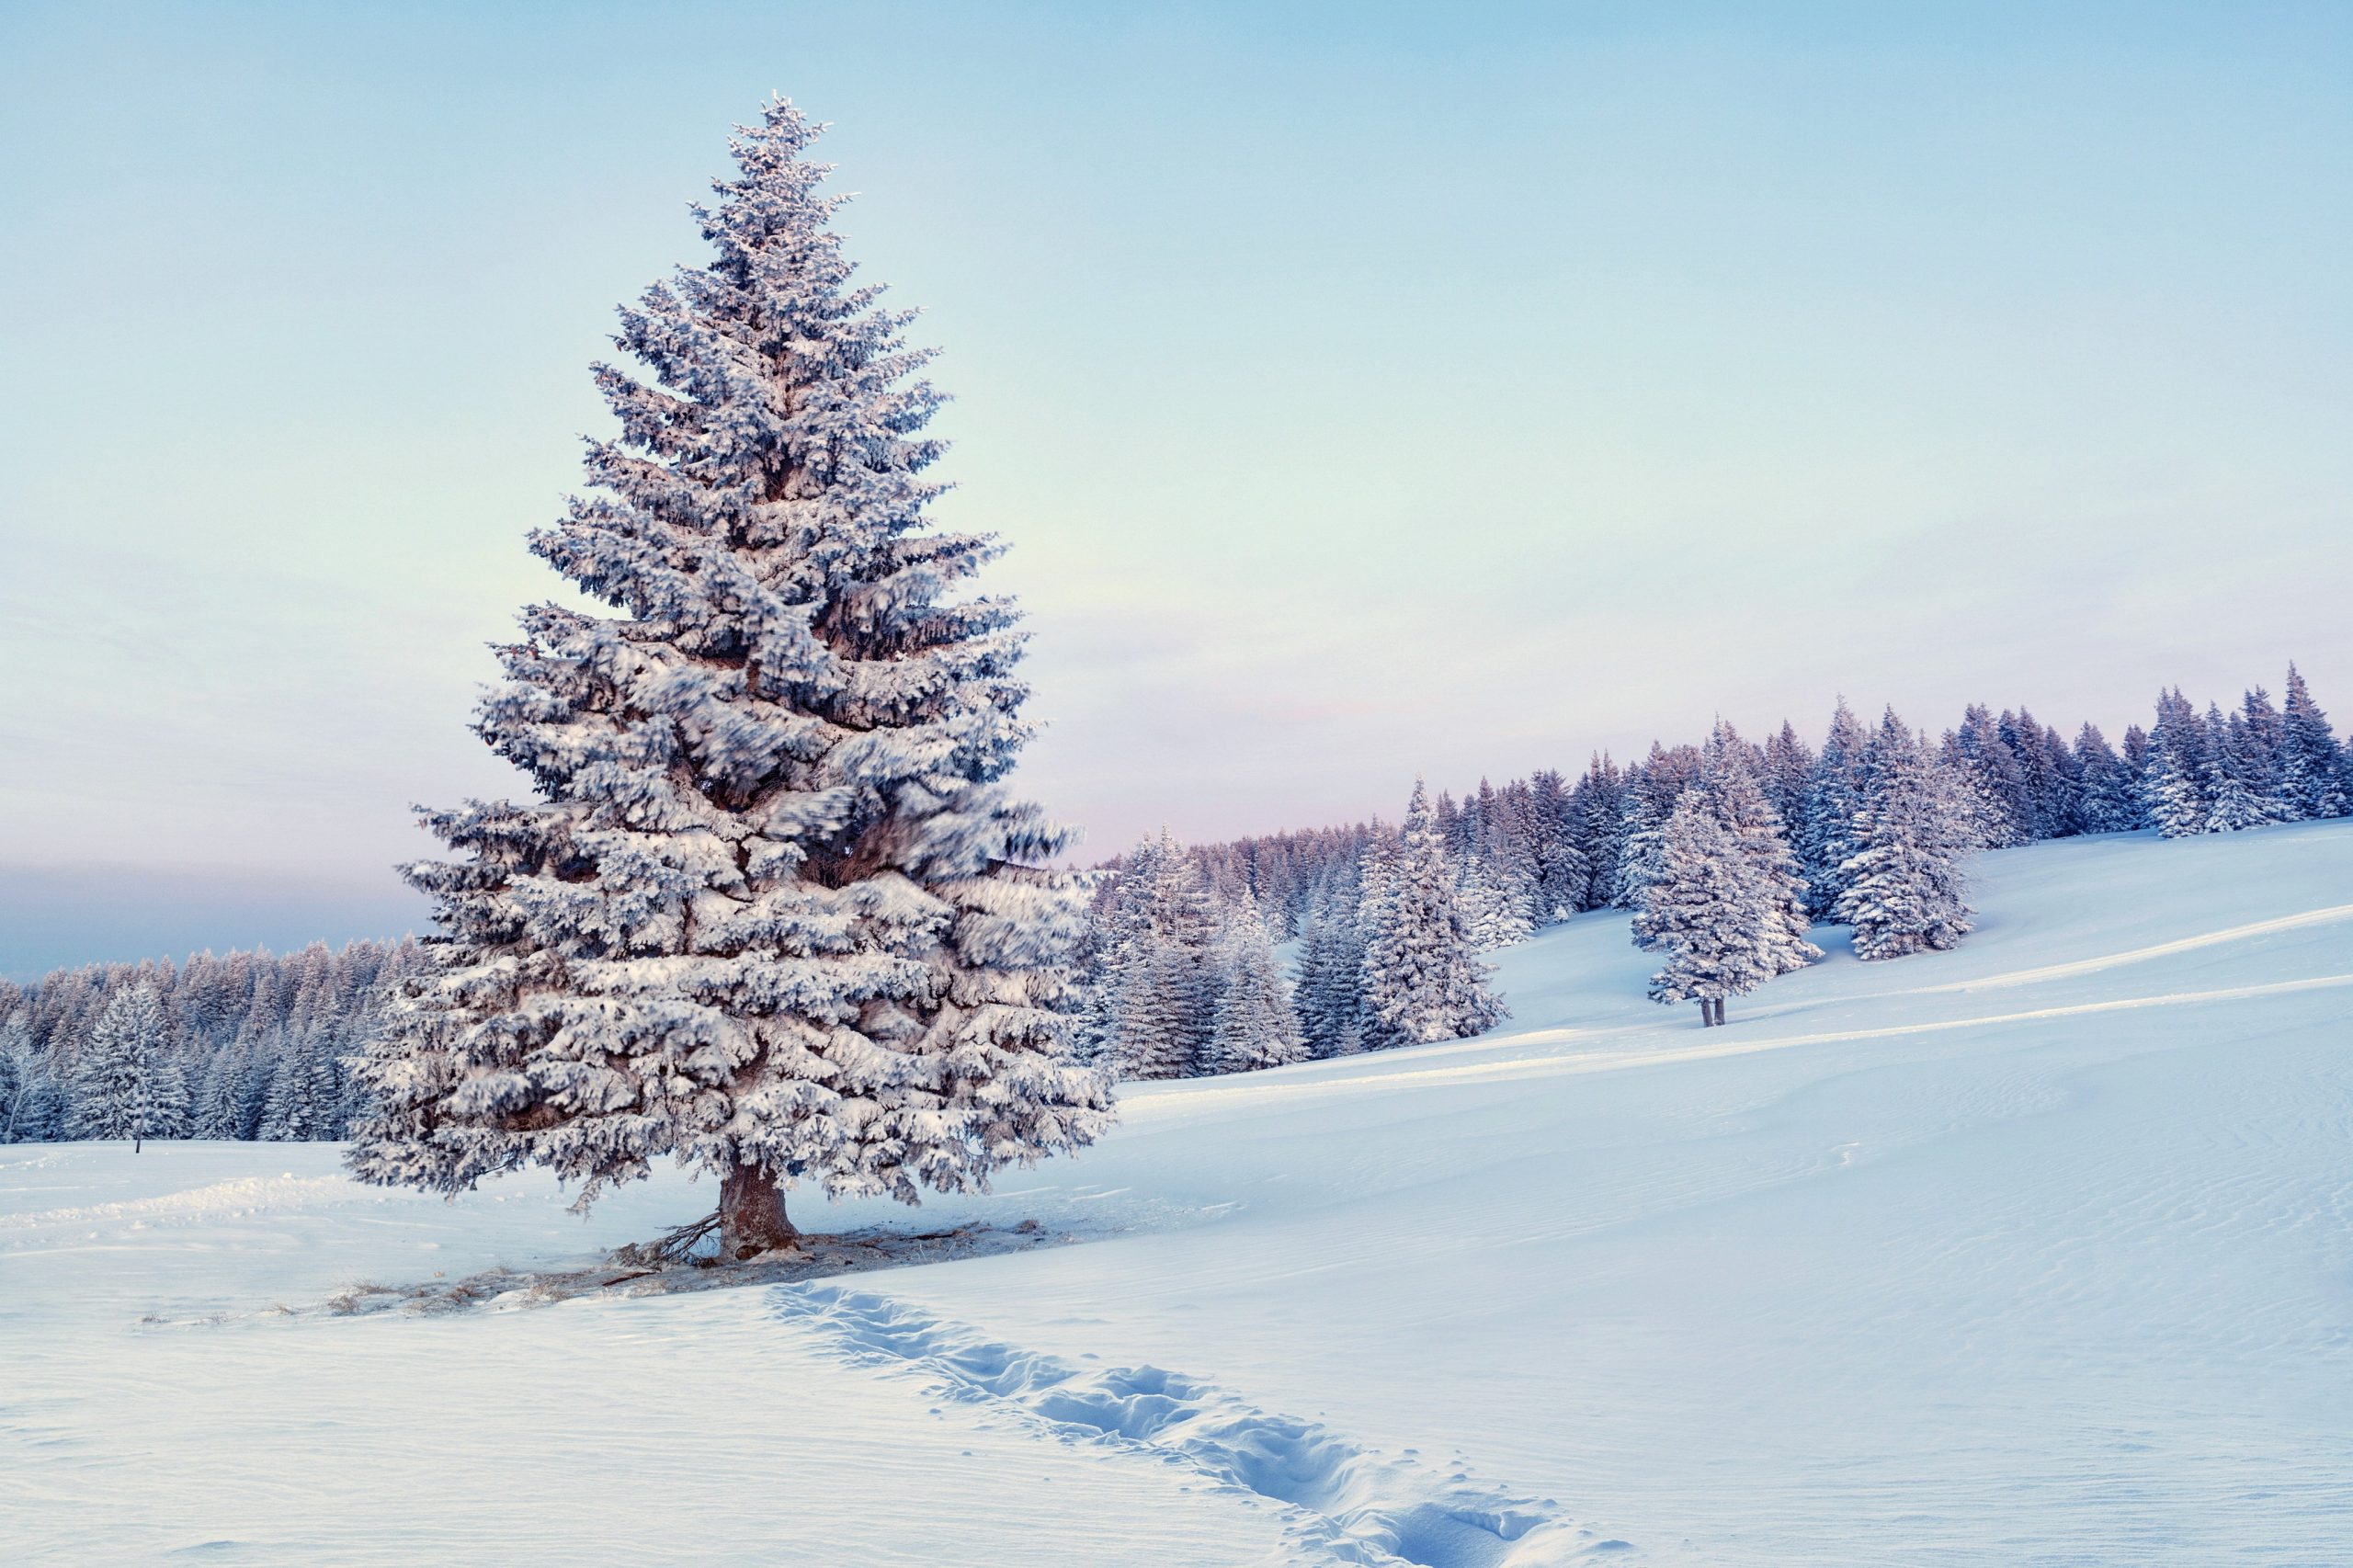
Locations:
(1171, 924)
(1178, 972)
(252, 1045)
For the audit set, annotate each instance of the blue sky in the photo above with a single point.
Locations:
(1366, 390)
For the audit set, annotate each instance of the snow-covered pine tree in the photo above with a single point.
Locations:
(772, 914)
(20, 1075)
(1728, 778)
(1641, 844)
(127, 1084)
(1329, 987)
(1165, 1004)
(2312, 775)
(1564, 870)
(1423, 981)
(2266, 748)
(2174, 789)
(14, 1081)
(2054, 786)
(1492, 917)
(220, 1101)
(2235, 789)
(2133, 747)
(1824, 834)
(1508, 843)
(2000, 781)
(2110, 796)
(306, 1096)
(1118, 908)
(42, 1116)
(1703, 913)
(1904, 889)
(1599, 805)
(1727, 907)
(1651, 788)
(1376, 874)
(1256, 1023)
(1165, 974)
(1788, 777)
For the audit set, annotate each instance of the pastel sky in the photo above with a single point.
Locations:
(1365, 389)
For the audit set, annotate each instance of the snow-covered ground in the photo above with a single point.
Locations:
(2039, 1251)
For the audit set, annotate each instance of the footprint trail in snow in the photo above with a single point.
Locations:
(1347, 1504)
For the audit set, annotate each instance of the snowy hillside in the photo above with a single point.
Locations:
(2039, 1251)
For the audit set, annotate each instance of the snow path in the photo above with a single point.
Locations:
(1352, 1506)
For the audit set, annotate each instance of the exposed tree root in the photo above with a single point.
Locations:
(669, 1248)
(671, 1262)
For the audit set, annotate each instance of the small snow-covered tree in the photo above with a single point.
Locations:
(1728, 778)
(2174, 781)
(20, 1075)
(1256, 1023)
(306, 1096)
(2112, 796)
(1788, 777)
(1164, 1002)
(1643, 845)
(1703, 913)
(1904, 889)
(221, 1108)
(1984, 753)
(1117, 914)
(2312, 775)
(2234, 787)
(14, 1081)
(1727, 908)
(2265, 743)
(1422, 980)
(42, 1114)
(1330, 981)
(1492, 917)
(1824, 835)
(1565, 869)
(1597, 807)
(1164, 975)
(127, 1084)
(772, 914)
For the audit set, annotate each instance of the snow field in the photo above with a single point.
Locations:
(2035, 1252)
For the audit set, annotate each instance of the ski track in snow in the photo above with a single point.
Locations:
(2139, 955)
(1349, 1504)
(1549, 1066)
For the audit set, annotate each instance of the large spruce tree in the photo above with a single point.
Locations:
(772, 914)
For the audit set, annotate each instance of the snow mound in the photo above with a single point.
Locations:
(243, 1196)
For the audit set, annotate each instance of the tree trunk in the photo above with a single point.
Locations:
(751, 1214)
(1720, 1009)
(1706, 1014)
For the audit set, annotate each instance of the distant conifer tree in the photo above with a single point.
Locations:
(1904, 889)
(1423, 979)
